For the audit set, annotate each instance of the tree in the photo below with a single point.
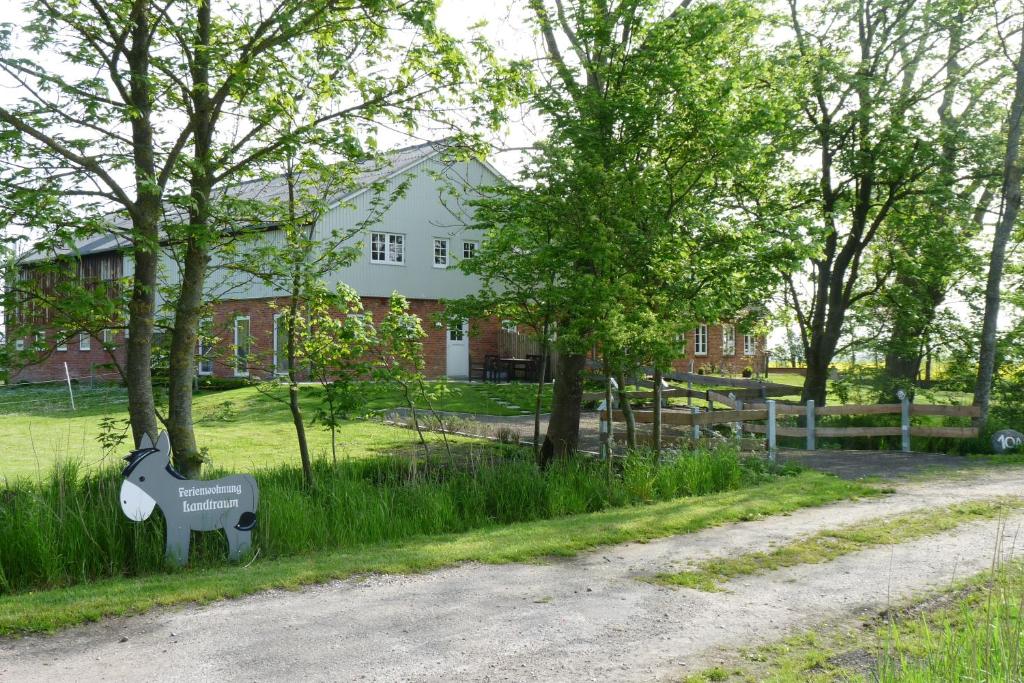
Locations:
(1010, 198)
(868, 71)
(86, 131)
(281, 74)
(625, 230)
(929, 248)
(335, 338)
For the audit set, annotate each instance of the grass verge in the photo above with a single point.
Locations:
(826, 546)
(971, 631)
(48, 610)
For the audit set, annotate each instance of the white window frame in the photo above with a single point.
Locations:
(442, 253)
(84, 341)
(41, 338)
(749, 345)
(469, 248)
(19, 344)
(248, 348)
(728, 340)
(107, 337)
(700, 340)
(62, 345)
(392, 251)
(277, 361)
(205, 324)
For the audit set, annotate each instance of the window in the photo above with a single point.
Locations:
(440, 253)
(509, 326)
(242, 344)
(62, 344)
(19, 345)
(280, 344)
(84, 341)
(387, 247)
(681, 340)
(455, 333)
(728, 340)
(126, 319)
(700, 341)
(469, 249)
(749, 345)
(203, 347)
(108, 337)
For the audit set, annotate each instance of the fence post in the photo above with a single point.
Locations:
(810, 424)
(605, 415)
(739, 424)
(904, 421)
(695, 411)
(67, 375)
(771, 430)
(689, 386)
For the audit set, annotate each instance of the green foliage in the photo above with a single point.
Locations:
(69, 528)
(627, 228)
(333, 338)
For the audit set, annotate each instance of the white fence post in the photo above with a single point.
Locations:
(810, 424)
(904, 421)
(67, 376)
(771, 430)
(695, 411)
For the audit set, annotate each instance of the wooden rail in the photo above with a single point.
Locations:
(743, 415)
(685, 419)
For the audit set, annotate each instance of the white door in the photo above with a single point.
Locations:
(458, 351)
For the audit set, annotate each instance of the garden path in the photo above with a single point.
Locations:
(587, 618)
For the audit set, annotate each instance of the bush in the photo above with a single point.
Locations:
(69, 528)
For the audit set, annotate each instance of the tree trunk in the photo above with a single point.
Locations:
(187, 313)
(193, 279)
(148, 209)
(563, 435)
(1004, 227)
(293, 313)
(138, 361)
(538, 401)
(627, 412)
(816, 378)
(656, 427)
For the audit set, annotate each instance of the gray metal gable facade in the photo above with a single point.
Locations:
(434, 205)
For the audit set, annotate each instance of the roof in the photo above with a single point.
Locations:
(263, 189)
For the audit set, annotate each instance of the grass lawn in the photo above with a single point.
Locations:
(242, 428)
(46, 610)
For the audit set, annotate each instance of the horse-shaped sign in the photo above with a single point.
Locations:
(188, 505)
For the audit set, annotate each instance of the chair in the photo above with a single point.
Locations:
(477, 370)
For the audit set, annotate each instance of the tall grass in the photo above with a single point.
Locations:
(69, 528)
(981, 639)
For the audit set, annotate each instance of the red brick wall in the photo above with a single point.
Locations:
(94, 363)
(483, 334)
(716, 359)
(483, 341)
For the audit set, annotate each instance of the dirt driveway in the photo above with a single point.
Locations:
(589, 618)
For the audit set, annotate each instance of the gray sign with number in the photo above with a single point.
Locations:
(1007, 441)
(228, 503)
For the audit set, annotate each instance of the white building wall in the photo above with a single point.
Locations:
(434, 205)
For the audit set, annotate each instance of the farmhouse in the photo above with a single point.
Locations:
(413, 246)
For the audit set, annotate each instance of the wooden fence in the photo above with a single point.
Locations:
(741, 415)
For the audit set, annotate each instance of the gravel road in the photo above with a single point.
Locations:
(588, 618)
